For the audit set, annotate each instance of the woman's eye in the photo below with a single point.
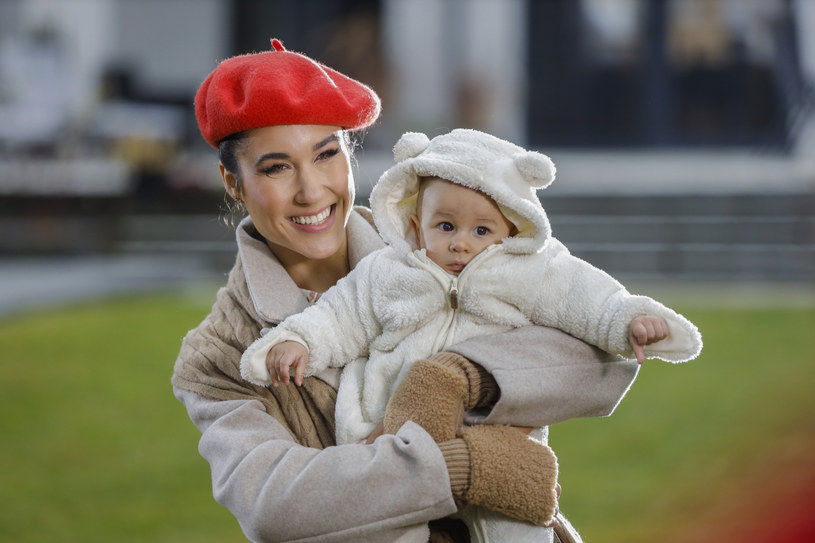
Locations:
(273, 169)
(482, 230)
(328, 153)
(445, 227)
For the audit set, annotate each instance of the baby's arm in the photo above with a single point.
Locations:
(337, 329)
(645, 330)
(283, 356)
(589, 304)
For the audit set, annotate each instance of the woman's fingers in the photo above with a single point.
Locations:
(378, 431)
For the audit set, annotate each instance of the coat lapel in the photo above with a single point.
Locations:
(274, 294)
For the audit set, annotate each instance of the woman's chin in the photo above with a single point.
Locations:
(322, 249)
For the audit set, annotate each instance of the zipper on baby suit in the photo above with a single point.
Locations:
(453, 294)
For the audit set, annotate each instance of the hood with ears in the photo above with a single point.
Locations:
(505, 172)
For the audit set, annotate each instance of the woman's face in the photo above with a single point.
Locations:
(296, 184)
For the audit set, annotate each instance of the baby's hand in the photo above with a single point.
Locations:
(644, 330)
(283, 356)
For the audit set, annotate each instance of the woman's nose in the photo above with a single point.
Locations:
(309, 187)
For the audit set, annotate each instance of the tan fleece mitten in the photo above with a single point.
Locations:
(511, 473)
(435, 393)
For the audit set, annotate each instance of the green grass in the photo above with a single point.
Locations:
(686, 435)
(94, 447)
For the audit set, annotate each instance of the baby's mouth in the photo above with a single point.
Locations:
(314, 220)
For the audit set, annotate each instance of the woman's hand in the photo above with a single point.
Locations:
(283, 356)
(645, 330)
(378, 431)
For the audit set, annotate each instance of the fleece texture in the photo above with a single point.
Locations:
(507, 173)
(279, 87)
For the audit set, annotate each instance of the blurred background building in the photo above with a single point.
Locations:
(682, 129)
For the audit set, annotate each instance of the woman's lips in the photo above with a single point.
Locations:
(315, 224)
(313, 220)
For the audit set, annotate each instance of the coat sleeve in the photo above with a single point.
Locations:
(336, 330)
(546, 376)
(589, 304)
(281, 491)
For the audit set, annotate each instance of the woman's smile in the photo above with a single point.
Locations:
(317, 220)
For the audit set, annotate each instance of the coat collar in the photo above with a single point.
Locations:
(274, 294)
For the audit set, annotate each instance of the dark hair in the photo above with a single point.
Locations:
(228, 149)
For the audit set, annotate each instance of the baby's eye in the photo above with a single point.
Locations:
(481, 230)
(446, 227)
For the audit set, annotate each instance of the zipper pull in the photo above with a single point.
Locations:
(454, 298)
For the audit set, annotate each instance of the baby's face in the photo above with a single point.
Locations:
(456, 223)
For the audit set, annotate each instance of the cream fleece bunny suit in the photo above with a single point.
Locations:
(397, 306)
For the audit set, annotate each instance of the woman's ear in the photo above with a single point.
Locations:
(230, 183)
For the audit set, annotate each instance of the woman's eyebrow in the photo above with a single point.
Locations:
(286, 156)
(271, 156)
(326, 141)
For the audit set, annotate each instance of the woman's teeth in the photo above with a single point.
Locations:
(314, 219)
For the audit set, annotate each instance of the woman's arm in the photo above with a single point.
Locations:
(281, 491)
(546, 376)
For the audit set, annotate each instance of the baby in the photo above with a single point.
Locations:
(453, 224)
(469, 252)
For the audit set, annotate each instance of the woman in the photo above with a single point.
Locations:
(279, 120)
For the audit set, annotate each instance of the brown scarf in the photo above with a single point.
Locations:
(209, 364)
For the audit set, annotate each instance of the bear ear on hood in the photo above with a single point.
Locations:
(410, 145)
(536, 168)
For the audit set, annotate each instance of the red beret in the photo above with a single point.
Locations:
(279, 87)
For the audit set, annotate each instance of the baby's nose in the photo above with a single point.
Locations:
(458, 245)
